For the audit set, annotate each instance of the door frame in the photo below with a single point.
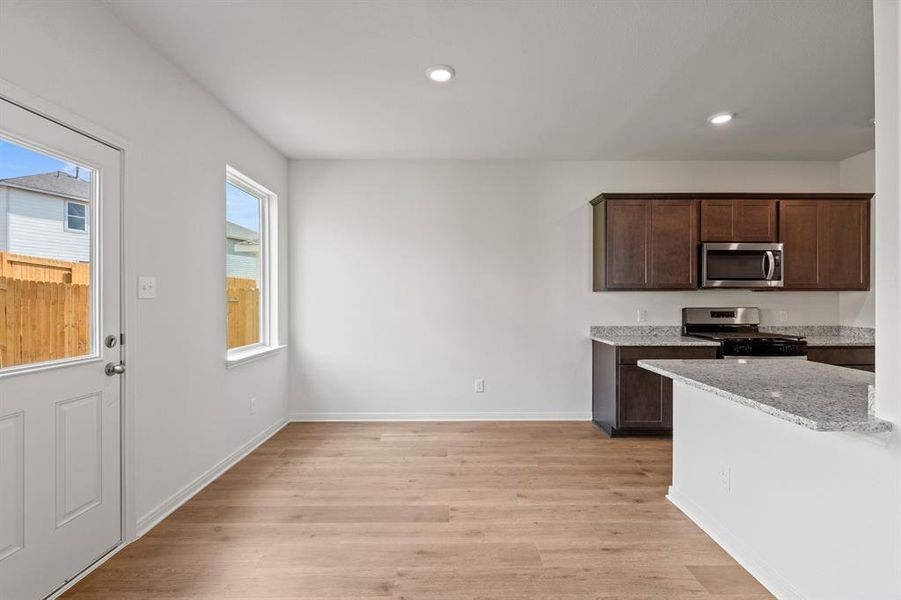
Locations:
(52, 112)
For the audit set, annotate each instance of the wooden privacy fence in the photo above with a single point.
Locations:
(242, 297)
(33, 268)
(42, 320)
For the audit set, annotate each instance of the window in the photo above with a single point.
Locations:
(76, 217)
(49, 282)
(250, 285)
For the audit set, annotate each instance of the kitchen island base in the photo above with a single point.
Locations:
(809, 513)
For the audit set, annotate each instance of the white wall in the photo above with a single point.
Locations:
(887, 65)
(190, 411)
(37, 227)
(858, 174)
(414, 278)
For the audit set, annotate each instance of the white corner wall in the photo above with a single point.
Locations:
(411, 279)
(887, 37)
(190, 412)
(887, 65)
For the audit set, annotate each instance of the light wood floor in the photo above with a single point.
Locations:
(432, 511)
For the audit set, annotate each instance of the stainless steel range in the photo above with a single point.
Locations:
(738, 332)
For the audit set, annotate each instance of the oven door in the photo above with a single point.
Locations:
(741, 265)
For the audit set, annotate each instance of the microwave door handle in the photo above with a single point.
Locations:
(769, 260)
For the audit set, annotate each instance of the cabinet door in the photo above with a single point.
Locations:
(645, 402)
(755, 221)
(844, 245)
(717, 218)
(627, 244)
(799, 232)
(673, 244)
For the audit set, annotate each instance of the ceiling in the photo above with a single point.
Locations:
(548, 79)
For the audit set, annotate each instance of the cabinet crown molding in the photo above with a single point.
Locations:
(604, 196)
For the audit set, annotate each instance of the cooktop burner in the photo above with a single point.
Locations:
(737, 331)
(748, 335)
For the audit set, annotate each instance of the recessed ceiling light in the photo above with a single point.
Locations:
(440, 73)
(720, 118)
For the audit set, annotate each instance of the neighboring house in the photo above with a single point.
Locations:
(242, 251)
(46, 215)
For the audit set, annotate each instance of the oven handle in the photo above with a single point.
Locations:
(770, 260)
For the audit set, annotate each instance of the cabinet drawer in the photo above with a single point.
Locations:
(630, 355)
(844, 356)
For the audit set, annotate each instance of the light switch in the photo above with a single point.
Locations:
(146, 287)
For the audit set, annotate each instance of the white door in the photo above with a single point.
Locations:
(59, 300)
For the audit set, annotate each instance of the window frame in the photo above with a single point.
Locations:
(83, 218)
(269, 338)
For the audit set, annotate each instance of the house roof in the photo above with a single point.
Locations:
(237, 232)
(57, 183)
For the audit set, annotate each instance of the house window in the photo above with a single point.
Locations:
(76, 217)
(250, 271)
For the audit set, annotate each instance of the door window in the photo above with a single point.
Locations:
(47, 304)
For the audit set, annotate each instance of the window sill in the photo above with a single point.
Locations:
(233, 359)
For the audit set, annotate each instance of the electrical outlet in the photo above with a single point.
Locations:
(146, 287)
(783, 316)
(726, 478)
(253, 406)
(479, 386)
(642, 315)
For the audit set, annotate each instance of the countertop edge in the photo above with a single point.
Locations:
(647, 341)
(875, 426)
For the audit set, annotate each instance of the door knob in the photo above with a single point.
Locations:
(114, 369)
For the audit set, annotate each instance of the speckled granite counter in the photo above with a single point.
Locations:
(651, 335)
(828, 335)
(671, 335)
(813, 395)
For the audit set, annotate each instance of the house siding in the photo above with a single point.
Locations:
(36, 227)
(4, 204)
(239, 264)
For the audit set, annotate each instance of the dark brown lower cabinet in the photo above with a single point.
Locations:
(629, 400)
(862, 358)
(647, 399)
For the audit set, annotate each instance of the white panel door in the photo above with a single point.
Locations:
(60, 506)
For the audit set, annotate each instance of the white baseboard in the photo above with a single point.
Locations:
(440, 416)
(755, 564)
(168, 506)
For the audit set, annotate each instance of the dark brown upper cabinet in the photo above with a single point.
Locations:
(827, 244)
(729, 220)
(844, 239)
(798, 232)
(650, 241)
(646, 244)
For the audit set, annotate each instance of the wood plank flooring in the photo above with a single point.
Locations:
(533, 511)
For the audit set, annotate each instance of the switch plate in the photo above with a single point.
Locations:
(726, 478)
(146, 287)
(642, 315)
(479, 386)
(253, 406)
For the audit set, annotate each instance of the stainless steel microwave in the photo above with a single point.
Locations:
(741, 265)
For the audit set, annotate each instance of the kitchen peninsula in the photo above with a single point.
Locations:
(771, 457)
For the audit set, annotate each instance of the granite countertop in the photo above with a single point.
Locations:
(828, 335)
(671, 335)
(838, 340)
(814, 395)
(649, 335)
